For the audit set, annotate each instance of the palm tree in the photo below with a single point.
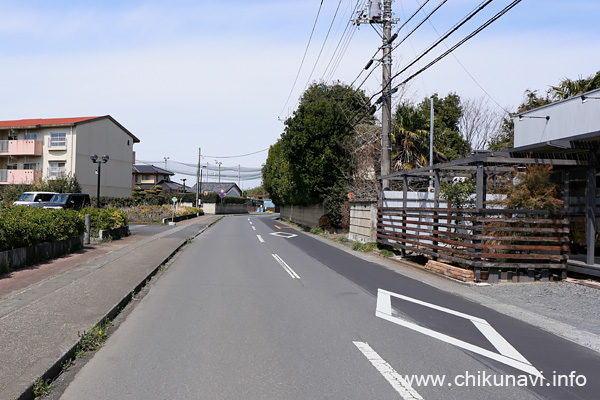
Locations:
(568, 88)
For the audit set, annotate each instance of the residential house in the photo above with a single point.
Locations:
(228, 188)
(48, 148)
(147, 177)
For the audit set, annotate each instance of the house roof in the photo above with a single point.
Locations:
(149, 169)
(215, 187)
(56, 122)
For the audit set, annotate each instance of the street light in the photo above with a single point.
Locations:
(95, 160)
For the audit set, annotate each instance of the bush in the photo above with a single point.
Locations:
(22, 226)
(147, 213)
(108, 218)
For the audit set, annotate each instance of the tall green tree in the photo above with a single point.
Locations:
(412, 131)
(311, 158)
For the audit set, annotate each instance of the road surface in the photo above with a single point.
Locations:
(256, 310)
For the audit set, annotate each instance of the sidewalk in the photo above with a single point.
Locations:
(43, 308)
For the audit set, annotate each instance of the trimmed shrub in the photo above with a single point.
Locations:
(22, 226)
(108, 218)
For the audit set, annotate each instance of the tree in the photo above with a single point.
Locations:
(412, 130)
(479, 122)
(567, 88)
(311, 156)
(62, 184)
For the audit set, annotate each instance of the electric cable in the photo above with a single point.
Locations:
(303, 58)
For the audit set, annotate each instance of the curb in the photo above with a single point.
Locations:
(56, 369)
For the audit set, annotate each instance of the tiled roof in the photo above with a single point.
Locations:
(21, 123)
(149, 169)
(50, 122)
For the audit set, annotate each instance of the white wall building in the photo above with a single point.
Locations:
(47, 148)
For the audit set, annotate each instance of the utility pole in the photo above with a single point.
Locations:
(376, 16)
(219, 164)
(198, 178)
(431, 144)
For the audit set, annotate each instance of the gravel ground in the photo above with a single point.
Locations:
(570, 303)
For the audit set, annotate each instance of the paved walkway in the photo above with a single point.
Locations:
(43, 308)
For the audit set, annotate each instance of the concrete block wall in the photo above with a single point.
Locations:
(363, 221)
(304, 215)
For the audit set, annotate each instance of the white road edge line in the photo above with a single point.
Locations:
(398, 382)
(260, 238)
(286, 267)
(253, 228)
(508, 354)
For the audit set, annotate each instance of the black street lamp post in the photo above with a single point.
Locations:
(95, 160)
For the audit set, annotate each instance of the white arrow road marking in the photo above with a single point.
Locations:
(285, 235)
(398, 382)
(286, 267)
(508, 354)
(260, 238)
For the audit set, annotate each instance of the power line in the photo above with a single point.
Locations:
(303, 58)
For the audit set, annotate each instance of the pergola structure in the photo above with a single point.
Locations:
(521, 244)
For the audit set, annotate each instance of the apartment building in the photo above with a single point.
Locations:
(48, 148)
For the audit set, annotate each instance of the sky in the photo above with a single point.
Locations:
(224, 75)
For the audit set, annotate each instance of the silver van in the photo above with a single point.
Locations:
(34, 199)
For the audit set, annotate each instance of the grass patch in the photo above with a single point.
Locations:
(344, 239)
(316, 231)
(368, 247)
(386, 253)
(357, 246)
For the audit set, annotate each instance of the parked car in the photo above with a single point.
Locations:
(34, 199)
(73, 201)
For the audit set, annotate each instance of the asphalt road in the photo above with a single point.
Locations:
(252, 311)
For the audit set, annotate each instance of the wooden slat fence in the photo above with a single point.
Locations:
(507, 243)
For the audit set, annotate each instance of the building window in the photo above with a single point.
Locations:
(56, 169)
(31, 136)
(13, 137)
(12, 166)
(30, 165)
(58, 139)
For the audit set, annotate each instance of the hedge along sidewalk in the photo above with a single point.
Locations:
(39, 325)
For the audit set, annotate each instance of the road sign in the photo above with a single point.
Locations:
(222, 195)
(174, 199)
(222, 190)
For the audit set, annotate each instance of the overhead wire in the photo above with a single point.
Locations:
(460, 43)
(303, 58)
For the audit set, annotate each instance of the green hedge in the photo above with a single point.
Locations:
(22, 226)
(105, 218)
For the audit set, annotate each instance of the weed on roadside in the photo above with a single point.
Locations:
(344, 239)
(386, 253)
(316, 231)
(41, 387)
(92, 339)
(357, 246)
(368, 247)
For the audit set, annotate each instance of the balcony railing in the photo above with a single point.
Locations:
(19, 176)
(27, 147)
